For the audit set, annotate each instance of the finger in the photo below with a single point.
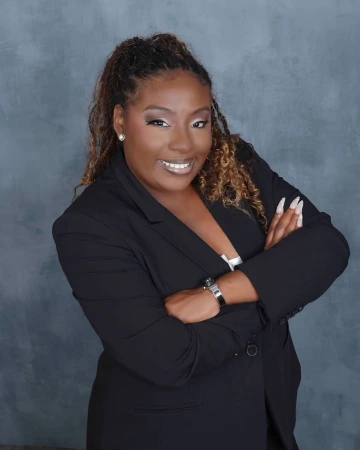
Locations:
(299, 223)
(270, 232)
(292, 226)
(284, 221)
(271, 229)
(293, 221)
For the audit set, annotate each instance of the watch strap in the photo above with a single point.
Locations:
(211, 285)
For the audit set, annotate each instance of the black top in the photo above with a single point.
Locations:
(162, 384)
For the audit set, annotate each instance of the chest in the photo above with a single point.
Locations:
(200, 220)
(180, 251)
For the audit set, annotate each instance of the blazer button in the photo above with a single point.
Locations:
(282, 320)
(251, 350)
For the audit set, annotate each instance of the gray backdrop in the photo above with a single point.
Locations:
(287, 78)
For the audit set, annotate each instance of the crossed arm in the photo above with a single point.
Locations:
(135, 328)
(195, 305)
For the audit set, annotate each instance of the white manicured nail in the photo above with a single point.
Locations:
(280, 206)
(299, 207)
(294, 203)
(300, 220)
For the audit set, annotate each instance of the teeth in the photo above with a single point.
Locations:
(176, 166)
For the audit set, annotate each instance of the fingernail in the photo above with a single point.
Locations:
(280, 206)
(299, 207)
(299, 220)
(294, 203)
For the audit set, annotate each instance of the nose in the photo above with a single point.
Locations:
(180, 141)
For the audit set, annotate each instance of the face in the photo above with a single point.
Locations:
(170, 123)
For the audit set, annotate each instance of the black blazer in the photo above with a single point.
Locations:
(165, 385)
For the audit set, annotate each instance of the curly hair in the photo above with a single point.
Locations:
(224, 176)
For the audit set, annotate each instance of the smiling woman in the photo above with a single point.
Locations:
(169, 124)
(182, 258)
(155, 93)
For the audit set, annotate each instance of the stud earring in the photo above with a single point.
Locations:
(121, 136)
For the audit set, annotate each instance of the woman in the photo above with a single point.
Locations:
(188, 256)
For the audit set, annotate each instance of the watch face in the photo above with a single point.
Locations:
(209, 281)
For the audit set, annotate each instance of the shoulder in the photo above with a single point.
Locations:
(96, 208)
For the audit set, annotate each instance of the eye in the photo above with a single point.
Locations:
(204, 122)
(151, 122)
(154, 122)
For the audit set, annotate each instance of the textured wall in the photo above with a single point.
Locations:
(287, 77)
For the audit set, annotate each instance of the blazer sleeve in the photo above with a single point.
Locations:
(301, 267)
(122, 304)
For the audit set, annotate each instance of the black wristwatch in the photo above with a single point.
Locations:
(210, 283)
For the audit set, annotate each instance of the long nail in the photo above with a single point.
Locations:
(299, 220)
(294, 203)
(299, 207)
(280, 206)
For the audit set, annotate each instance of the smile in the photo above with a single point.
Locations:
(177, 168)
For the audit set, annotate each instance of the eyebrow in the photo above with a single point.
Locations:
(161, 108)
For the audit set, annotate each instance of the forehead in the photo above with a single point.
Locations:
(174, 90)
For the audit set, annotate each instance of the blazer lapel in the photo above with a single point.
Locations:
(167, 224)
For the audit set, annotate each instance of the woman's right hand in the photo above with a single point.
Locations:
(284, 223)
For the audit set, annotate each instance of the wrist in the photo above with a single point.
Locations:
(237, 288)
(212, 305)
(211, 285)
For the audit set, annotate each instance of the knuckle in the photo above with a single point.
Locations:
(290, 212)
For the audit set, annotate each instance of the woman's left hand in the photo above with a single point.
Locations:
(192, 305)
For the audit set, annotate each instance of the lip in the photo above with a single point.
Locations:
(175, 171)
(178, 160)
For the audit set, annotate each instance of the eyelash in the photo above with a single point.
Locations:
(159, 120)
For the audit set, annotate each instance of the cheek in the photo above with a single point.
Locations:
(204, 140)
(147, 136)
(139, 130)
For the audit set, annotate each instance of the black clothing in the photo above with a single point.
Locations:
(162, 384)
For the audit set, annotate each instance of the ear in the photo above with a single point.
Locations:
(118, 119)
